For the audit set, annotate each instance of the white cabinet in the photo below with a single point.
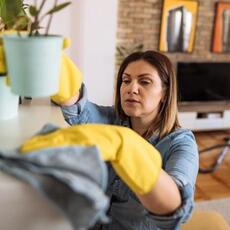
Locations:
(205, 120)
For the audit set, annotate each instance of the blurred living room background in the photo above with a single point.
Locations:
(195, 35)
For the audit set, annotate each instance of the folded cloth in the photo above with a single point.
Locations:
(71, 179)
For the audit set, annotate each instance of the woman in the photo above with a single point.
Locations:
(146, 101)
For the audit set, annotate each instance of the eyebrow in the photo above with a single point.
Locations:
(141, 75)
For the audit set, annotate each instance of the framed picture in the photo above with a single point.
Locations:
(221, 32)
(178, 25)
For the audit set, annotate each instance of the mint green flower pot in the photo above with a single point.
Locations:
(33, 64)
(8, 101)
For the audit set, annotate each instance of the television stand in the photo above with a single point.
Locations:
(199, 116)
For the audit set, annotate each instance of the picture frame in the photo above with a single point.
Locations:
(178, 25)
(221, 31)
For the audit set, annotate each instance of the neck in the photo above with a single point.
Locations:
(140, 125)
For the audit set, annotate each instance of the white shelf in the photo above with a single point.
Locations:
(22, 206)
(31, 117)
(210, 121)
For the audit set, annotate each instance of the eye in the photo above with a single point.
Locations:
(145, 82)
(125, 81)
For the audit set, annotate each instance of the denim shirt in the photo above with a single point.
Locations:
(180, 160)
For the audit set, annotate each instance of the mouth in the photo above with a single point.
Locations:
(131, 101)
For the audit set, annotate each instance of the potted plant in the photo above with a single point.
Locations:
(33, 59)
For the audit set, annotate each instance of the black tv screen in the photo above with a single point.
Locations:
(203, 81)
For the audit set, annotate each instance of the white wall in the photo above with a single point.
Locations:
(91, 25)
(94, 36)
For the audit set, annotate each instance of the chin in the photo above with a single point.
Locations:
(131, 113)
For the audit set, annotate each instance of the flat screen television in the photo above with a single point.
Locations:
(203, 82)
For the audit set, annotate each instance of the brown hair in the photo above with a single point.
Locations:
(167, 118)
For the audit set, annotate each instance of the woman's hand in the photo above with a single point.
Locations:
(135, 160)
(69, 83)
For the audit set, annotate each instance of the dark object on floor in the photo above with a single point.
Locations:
(220, 157)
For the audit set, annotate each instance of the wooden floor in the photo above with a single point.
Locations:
(213, 185)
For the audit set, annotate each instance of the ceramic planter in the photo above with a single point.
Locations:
(33, 64)
(8, 101)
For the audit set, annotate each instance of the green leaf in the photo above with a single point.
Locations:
(9, 10)
(58, 7)
(21, 23)
(14, 7)
(33, 11)
(2, 9)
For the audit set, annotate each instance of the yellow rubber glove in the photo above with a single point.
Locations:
(3, 69)
(70, 81)
(135, 160)
(2, 59)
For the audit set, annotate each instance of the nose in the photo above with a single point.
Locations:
(133, 88)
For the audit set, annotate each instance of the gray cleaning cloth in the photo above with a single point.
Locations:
(73, 178)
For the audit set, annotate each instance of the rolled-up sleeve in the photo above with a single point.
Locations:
(174, 220)
(84, 111)
(182, 165)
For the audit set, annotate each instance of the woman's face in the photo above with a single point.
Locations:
(141, 90)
